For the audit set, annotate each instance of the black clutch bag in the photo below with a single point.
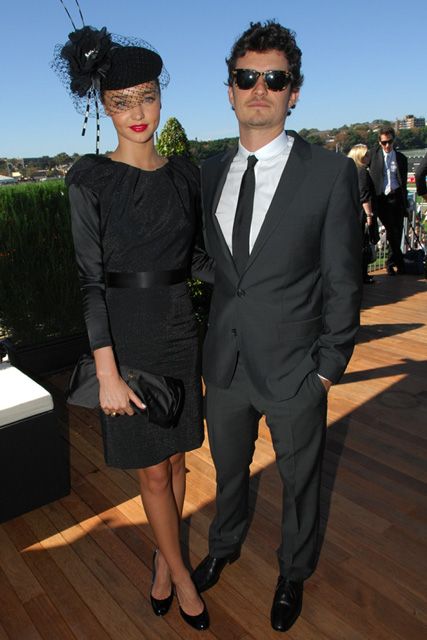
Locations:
(162, 395)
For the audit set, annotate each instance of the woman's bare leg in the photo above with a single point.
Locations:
(160, 504)
(178, 487)
(178, 480)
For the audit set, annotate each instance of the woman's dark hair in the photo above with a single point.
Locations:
(265, 37)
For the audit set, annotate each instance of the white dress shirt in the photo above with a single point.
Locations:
(272, 159)
(391, 181)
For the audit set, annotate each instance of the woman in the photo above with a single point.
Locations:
(134, 217)
(358, 153)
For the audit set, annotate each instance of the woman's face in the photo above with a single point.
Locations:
(135, 111)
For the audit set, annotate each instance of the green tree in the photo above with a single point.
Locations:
(372, 138)
(409, 139)
(314, 136)
(173, 140)
(201, 150)
(62, 158)
(423, 136)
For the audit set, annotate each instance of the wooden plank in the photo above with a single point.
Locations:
(47, 619)
(13, 618)
(60, 547)
(64, 597)
(382, 615)
(15, 569)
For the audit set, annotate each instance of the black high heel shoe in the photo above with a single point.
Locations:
(160, 607)
(200, 622)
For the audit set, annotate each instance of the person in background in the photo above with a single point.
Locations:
(388, 169)
(368, 221)
(420, 178)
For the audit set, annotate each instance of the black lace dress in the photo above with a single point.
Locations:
(125, 219)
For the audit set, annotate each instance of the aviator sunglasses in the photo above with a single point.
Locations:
(275, 79)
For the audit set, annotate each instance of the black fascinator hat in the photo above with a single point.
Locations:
(93, 61)
(131, 66)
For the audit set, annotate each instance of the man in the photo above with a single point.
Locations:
(285, 306)
(389, 173)
(420, 178)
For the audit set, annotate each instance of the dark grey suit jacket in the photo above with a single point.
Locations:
(296, 307)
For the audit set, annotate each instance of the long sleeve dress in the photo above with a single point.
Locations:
(125, 219)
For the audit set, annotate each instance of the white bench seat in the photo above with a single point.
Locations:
(20, 396)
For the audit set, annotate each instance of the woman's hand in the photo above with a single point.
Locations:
(115, 396)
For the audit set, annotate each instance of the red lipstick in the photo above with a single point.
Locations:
(138, 128)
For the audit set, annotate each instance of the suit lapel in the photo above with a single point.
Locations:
(290, 182)
(399, 170)
(381, 166)
(214, 177)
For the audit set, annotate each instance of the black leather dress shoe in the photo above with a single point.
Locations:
(199, 621)
(160, 607)
(207, 573)
(391, 271)
(287, 604)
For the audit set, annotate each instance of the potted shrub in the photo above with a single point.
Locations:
(173, 141)
(40, 304)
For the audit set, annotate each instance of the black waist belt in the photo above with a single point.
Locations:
(144, 279)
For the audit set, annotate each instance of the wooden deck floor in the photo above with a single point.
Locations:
(79, 567)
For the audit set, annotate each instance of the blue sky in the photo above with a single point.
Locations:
(362, 59)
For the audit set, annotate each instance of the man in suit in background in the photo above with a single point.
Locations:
(389, 173)
(281, 220)
(420, 178)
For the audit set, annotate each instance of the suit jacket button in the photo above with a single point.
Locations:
(241, 293)
(234, 332)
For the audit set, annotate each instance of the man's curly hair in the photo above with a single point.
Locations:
(263, 37)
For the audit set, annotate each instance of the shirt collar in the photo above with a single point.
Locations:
(276, 147)
(390, 154)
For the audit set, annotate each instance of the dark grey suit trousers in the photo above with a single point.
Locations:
(298, 428)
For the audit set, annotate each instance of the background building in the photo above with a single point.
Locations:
(410, 122)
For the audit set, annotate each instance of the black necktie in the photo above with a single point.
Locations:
(243, 217)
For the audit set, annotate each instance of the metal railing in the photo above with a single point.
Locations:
(413, 237)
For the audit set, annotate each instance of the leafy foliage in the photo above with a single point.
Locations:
(201, 150)
(39, 293)
(412, 138)
(173, 140)
(201, 293)
(347, 136)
